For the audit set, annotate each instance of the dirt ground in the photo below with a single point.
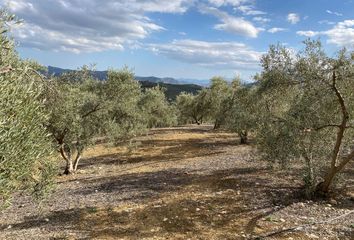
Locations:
(180, 183)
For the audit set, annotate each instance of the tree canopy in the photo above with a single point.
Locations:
(307, 105)
(25, 162)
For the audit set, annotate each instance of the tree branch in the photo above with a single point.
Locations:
(95, 109)
(62, 152)
(343, 125)
(345, 161)
(330, 125)
(5, 69)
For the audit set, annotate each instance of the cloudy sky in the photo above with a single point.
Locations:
(175, 38)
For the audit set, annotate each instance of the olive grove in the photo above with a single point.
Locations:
(298, 111)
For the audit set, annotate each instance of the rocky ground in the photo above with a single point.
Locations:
(180, 183)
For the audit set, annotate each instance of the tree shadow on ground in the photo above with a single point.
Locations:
(165, 150)
(182, 204)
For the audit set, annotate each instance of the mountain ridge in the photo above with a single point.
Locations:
(172, 88)
(102, 75)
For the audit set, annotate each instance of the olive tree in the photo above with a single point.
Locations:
(25, 162)
(307, 108)
(75, 115)
(240, 110)
(82, 108)
(192, 108)
(158, 112)
(122, 94)
(218, 95)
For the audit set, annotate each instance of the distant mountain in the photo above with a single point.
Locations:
(173, 87)
(173, 90)
(157, 80)
(102, 75)
(200, 82)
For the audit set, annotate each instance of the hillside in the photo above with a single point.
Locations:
(173, 90)
(173, 87)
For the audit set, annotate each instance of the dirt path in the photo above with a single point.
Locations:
(177, 183)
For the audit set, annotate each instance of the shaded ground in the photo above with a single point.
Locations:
(177, 183)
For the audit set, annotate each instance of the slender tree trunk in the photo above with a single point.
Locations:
(69, 168)
(77, 160)
(216, 124)
(310, 173)
(196, 121)
(243, 137)
(79, 150)
(324, 186)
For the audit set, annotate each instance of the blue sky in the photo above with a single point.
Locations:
(180, 38)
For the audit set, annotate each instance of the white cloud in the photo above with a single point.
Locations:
(249, 10)
(88, 25)
(346, 23)
(219, 3)
(276, 29)
(261, 19)
(231, 24)
(307, 33)
(334, 13)
(293, 18)
(226, 55)
(326, 22)
(342, 34)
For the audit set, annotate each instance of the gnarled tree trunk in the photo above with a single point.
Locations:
(337, 164)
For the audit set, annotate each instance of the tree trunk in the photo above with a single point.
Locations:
(77, 160)
(243, 137)
(196, 121)
(69, 168)
(216, 125)
(323, 187)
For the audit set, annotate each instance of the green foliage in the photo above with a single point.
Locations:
(122, 94)
(82, 108)
(241, 110)
(157, 111)
(74, 109)
(24, 150)
(218, 95)
(172, 90)
(209, 104)
(301, 113)
(191, 108)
